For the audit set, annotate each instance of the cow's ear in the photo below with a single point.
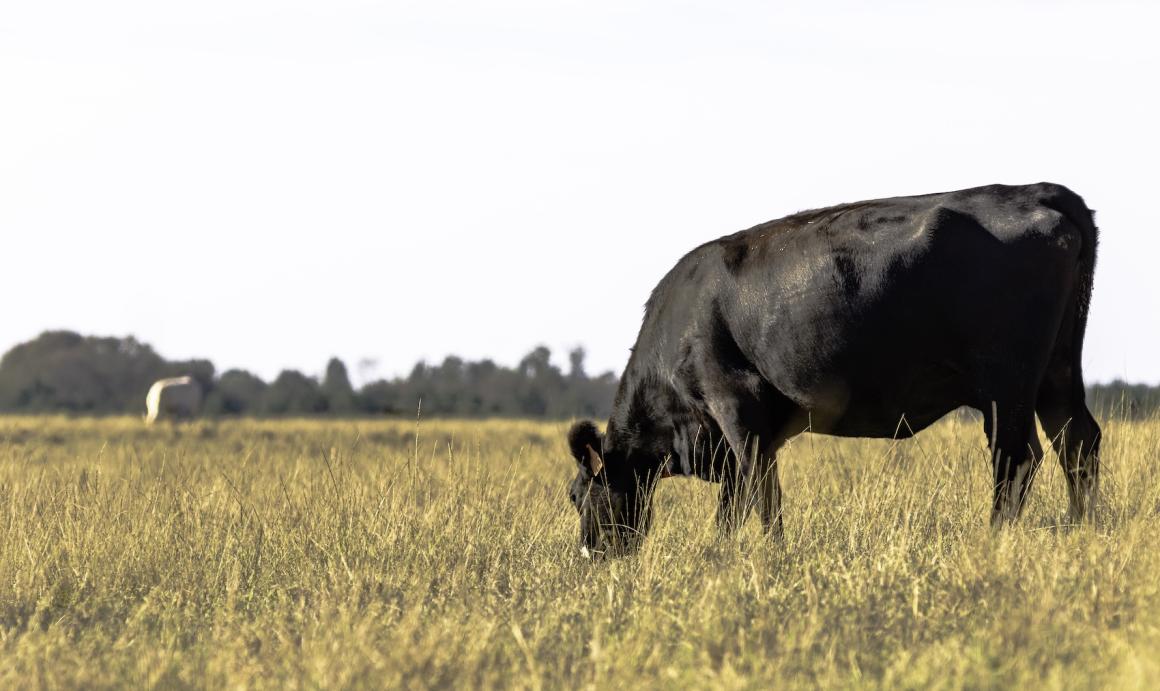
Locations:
(584, 442)
(595, 462)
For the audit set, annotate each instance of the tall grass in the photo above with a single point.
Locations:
(311, 553)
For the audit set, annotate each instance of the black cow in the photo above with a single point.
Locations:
(871, 319)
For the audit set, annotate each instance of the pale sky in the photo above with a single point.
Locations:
(269, 183)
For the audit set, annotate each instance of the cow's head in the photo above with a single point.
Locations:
(612, 503)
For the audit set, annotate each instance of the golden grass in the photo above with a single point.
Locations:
(311, 553)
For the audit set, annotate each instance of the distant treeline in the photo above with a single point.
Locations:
(61, 371)
(1121, 399)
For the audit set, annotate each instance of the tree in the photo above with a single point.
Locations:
(237, 393)
(336, 388)
(64, 371)
(576, 364)
(379, 397)
(293, 393)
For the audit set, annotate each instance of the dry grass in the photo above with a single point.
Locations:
(303, 554)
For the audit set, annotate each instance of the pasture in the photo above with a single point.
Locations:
(443, 554)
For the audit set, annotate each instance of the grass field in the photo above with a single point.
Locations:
(368, 553)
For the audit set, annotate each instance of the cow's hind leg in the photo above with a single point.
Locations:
(1069, 424)
(1075, 436)
(1015, 457)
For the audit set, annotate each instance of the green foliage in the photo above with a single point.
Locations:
(237, 392)
(293, 392)
(534, 388)
(1124, 400)
(337, 390)
(62, 371)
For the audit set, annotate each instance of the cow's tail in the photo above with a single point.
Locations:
(1072, 206)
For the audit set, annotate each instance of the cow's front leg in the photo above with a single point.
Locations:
(769, 491)
(736, 498)
(752, 417)
(749, 480)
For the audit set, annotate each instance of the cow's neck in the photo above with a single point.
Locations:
(640, 431)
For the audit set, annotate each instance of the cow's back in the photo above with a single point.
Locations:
(863, 312)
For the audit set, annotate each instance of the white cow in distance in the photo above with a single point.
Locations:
(176, 398)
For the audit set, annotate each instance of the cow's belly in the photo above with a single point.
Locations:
(883, 413)
(893, 422)
(880, 390)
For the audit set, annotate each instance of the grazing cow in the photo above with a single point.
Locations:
(178, 398)
(871, 319)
